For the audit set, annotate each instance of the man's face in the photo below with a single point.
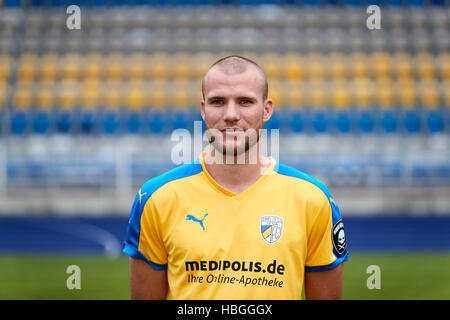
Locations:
(234, 106)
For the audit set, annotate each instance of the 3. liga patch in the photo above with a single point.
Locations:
(338, 235)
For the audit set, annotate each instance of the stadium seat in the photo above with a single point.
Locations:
(295, 118)
(435, 121)
(19, 119)
(343, 121)
(42, 121)
(426, 68)
(366, 121)
(110, 121)
(5, 67)
(26, 67)
(48, 67)
(412, 121)
(389, 121)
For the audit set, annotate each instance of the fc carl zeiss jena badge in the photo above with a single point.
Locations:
(338, 236)
(271, 228)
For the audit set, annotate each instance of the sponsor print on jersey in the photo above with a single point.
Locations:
(271, 228)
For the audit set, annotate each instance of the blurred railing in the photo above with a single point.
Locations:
(91, 175)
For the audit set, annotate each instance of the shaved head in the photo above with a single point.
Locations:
(232, 65)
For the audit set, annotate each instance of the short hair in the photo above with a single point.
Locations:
(236, 64)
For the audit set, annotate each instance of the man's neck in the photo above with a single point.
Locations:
(235, 176)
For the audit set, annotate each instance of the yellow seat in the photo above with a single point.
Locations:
(90, 93)
(339, 94)
(403, 66)
(381, 63)
(180, 66)
(444, 65)
(337, 66)
(3, 93)
(48, 69)
(385, 93)
(293, 67)
(446, 92)
(5, 67)
(315, 66)
(429, 94)
(200, 63)
(68, 94)
(270, 65)
(23, 95)
(111, 96)
(134, 98)
(159, 67)
(158, 94)
(70, 66)
(114, 67)
(317, 94)
(26, 68)
(425, 66)
(136, 67)
(296, 94)
(407, 93)
(359, 65)
(93, 67)
(363, 92)
(45, 95)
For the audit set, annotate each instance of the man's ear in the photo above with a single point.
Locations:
(268, 109)
(202, 109)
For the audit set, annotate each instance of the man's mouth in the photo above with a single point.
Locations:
(231, 131)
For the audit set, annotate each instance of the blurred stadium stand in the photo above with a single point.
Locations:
(86, 115)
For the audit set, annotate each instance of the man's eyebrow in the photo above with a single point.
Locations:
(246, 97)
(214, 98)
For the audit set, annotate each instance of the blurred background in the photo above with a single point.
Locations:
(86, 117)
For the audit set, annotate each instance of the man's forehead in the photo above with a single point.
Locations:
(248, 82)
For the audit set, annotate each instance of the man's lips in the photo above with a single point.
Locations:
(231, 131)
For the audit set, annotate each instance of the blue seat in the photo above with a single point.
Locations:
(389, 122)
(156, 122)
(88, 121)
(179, 120)
(110, 122)
(411, 122)
(133, 122)
(319, 122)
(12, 3)
(295, 121)
(343, 122)
(435, 122)
(65, 121)
(41, 122)
(19, 122)
(366, 122)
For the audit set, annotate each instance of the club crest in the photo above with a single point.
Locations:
(338, 237)
(271, 228)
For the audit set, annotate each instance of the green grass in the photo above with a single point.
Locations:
(403, 276)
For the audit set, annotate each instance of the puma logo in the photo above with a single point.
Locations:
(191, 217)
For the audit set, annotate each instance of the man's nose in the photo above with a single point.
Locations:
(231, 111)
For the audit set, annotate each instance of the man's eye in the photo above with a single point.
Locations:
(246, 101)
(216, 102)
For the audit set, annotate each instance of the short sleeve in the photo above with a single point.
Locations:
(144, 239)
(326, 242)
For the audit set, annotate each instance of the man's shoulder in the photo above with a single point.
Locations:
(183, 171)
(301, 179)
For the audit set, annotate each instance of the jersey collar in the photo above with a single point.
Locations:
(269, 171)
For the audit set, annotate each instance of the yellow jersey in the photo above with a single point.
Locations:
(216, 244)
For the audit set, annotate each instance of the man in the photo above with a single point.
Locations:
(220, 228)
